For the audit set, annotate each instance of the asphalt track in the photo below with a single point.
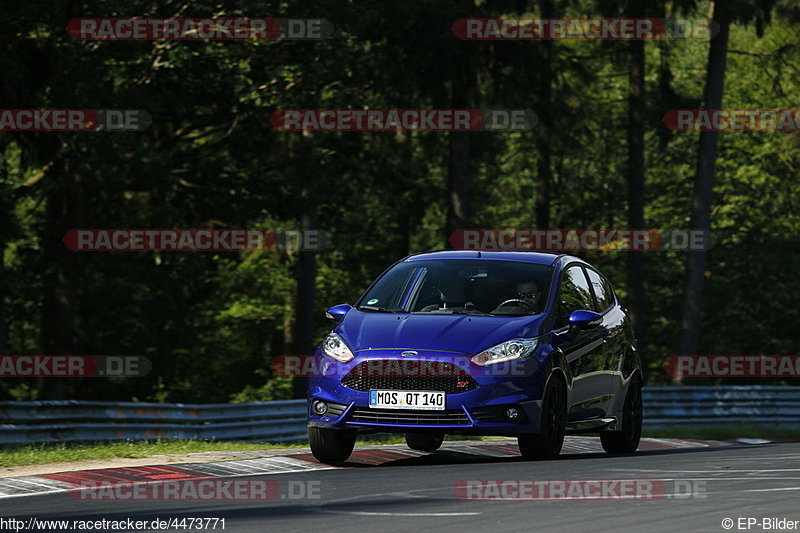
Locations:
(416, 494)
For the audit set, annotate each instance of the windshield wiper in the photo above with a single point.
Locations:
(453, 312)
(375, 308)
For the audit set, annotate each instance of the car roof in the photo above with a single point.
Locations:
(541, 258)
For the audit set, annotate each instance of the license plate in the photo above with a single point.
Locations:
(404, 399)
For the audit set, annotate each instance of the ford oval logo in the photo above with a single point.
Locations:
(410, 353)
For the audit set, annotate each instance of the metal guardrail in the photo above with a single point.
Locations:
(71, 420)
(60, 421)
(773, 407)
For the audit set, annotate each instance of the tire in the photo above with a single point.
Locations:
(331, 446)
(424, 442)
(627, 439)
(552, 427)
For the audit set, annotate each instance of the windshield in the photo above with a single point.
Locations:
(461, 286)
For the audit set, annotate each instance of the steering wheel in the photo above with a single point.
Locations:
(518, 301)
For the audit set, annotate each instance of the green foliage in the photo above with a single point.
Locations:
(211, 322)
(277, 388)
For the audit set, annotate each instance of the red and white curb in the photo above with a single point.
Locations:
(386, 455)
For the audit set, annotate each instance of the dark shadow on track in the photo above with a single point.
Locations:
(446, 457)
(233, 511)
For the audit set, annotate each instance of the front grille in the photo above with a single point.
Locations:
(451, 417)
(409, 375)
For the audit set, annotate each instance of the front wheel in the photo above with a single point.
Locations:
(331, 446)
(424, 442)
(627, 440)
(552, 427)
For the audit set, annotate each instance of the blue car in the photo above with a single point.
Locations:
(532, 345)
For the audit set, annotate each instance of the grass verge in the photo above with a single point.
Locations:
(35, 454)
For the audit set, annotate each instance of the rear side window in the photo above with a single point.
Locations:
(573, 294)
(602, 290)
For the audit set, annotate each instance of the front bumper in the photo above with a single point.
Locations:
(475, 412)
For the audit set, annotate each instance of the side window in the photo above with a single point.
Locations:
(573, 294)
(602, 290)
(393, 292)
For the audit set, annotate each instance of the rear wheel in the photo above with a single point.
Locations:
(424, 442)
(627, 440)
(547, 444)
(331, 445)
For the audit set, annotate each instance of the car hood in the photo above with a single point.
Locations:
(468, 334)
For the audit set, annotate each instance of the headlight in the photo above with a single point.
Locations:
(334, 347)
(506, 351)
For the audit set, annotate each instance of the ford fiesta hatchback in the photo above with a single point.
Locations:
(525, 344)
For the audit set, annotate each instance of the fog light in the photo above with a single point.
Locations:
(512, 414)
(319, 407)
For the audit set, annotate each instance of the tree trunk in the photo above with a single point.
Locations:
(60, 324)
(306, 299)
(458, 181)
(636, 176)
(306, 268)
(544, 167)
(6, 229)
(703, 186)
(404, 204)
(458, 164)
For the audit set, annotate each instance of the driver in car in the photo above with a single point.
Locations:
(525, 302)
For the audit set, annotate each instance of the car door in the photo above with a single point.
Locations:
(614, 323)
(582, 348)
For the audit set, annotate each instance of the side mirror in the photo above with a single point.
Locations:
(337, 312)
(583, 319)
